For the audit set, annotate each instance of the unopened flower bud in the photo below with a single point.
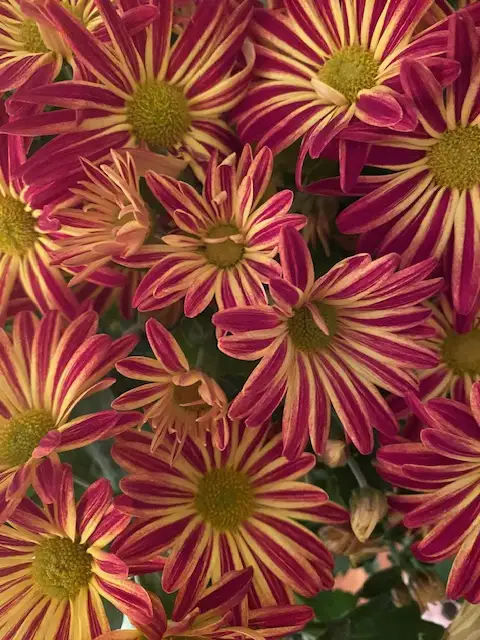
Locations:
(401, 596)
(367, 507)
(335, 454)
(339, 540)
(426, 587)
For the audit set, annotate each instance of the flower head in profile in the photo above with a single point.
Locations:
(56, 569)
(222, 511)
(45, 370)
(227, 240)
(321, 66)
(143, 92)
(26, 237)
(109, 223)
(176, 398)
(331, 341)
(426, 205)
(444, 471)
(211, 615)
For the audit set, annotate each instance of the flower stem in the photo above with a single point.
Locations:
(357, 472)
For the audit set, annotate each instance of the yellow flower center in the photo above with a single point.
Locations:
(61, 568)
(227, 253)
(461, 352)
(225, 498)
(455, 159)
(186, 395)
(305, 334)
(32, 38)
(20, 435)
(350, 70)
(158, 115)
(17, 227)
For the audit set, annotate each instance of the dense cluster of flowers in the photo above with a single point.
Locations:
(164, 167)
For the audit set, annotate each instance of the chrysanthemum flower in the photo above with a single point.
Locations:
(30, 45)
(227, 240)
(320, 65)
(210, 615)
(330, 341)
(177, 398)
(223, 511)
(110, 222)
(456, 340)
(45, 370)
(55, 568)
(441, 9)
(26, 238)
(427, 207)
(444, 468)
(144, 92)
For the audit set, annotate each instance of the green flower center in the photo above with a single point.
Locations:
(20, 435)
(305, 334)
(158, 115)
(227, 253)
(455, 159)
(461, 352)
(186, 395)
(61, 568)
(17, 227)
(225, 498)
(350, 70)
(32, 38)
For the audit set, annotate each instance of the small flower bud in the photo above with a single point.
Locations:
(401, 596)
(335, 454)
(339, 540)
(367, 507)
(466, 625)
(426, 587)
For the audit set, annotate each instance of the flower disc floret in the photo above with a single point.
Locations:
(158, 114)
(350, 70)
(304, 332)
(32, 38)
(461, 352)
(61, 568)
(17, 227)
(224, 254)
(225, 498)
(20, 435)
(455, 159)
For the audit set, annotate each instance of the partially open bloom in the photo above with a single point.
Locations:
(322, 65)
(143, 92)
(109, 223)
(223, 511)
(330, 341)
(45, 370)
(227, 240)
(444, 470)
(211, 615)
(427, 206)
(176, 398)
(55, 568)
(26, 238)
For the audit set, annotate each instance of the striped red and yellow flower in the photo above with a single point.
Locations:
(441, 9)
(331, 341)
(45, 370)
(428, 205)
(26, 236)
(321, 66)
(219, 511)
(176, 398)
(55, 566)
(109, 223)
(219, 612)
(227, 237)
(142, 92)
(444, 471)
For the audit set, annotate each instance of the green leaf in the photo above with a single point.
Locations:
(381, 582)
(331, 605)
